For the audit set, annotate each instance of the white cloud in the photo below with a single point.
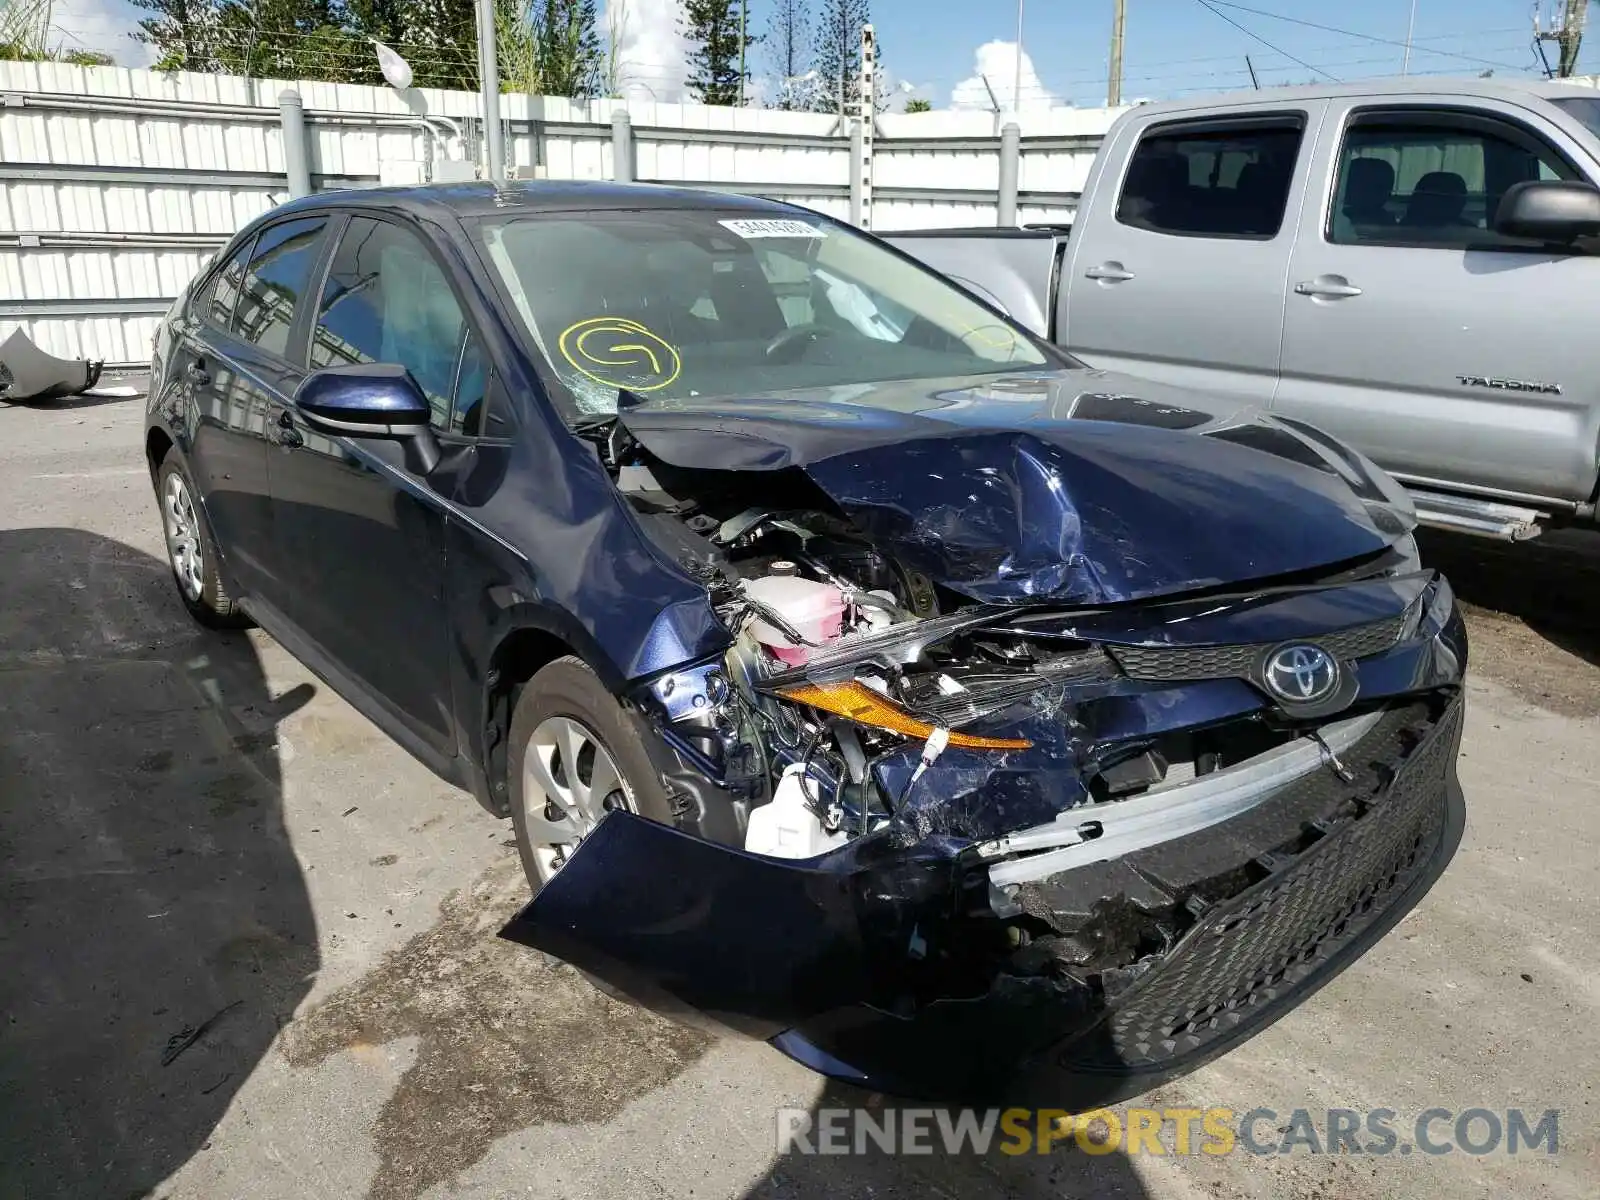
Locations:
(101, 25)
(649, 45)
(996, 62)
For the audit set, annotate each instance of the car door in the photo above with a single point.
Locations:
(361, 526)
(1448, 353)
(235, 357)
(1176, 270)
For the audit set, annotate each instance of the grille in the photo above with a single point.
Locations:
(1251, 954)
(1166, 663)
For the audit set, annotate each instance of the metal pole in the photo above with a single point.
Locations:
(1010, 170)
(621, 146)
(489, 81)
(1119, 18)
(296, 161)
(744, 27)
(1254, 82)
(855, 173)
(1016, 81)
(1411, 28)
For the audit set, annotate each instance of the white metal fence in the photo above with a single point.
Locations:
(116, 185)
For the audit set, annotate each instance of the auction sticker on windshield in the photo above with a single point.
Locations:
(772, 228)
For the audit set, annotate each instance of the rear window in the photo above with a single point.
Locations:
(1209, 180)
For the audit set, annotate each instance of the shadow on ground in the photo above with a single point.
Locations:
(1549, 583)
(157, 931)
(1065, 1173)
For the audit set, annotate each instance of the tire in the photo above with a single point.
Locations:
(568, 691)
(191, 550)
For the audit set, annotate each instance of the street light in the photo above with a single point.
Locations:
(397, 74)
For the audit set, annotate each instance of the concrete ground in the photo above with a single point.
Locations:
(247, 944)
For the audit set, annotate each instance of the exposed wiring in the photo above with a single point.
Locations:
(931, 750)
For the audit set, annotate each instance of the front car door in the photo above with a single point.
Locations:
(235, 357)
(1450, 354)
(1176, 271)
(361, 526)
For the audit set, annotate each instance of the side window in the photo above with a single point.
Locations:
(279, 271)
(477, 410)
(387, 300)
(1420, 182)
(216, 304)
(1209, 180)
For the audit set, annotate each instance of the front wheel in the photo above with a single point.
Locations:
(574, 755)
(191, 552)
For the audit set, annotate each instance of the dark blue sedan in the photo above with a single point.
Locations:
(856, 669)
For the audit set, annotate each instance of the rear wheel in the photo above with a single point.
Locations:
(574, 755)
(191, 553)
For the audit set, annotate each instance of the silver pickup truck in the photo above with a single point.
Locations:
(1411, 265)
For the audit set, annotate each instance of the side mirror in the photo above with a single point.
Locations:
(371, 400)
(1549, 210)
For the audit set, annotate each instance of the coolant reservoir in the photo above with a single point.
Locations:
(816, 610)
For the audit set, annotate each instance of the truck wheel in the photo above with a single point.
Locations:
(573, 755)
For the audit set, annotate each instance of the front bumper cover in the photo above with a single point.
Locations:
(861, 964)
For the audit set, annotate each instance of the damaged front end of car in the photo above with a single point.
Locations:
(1053, 843)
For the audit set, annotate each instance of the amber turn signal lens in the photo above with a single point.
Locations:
(866, 707)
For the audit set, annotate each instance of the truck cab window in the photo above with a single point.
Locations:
(1209, 181)
(1416, 182)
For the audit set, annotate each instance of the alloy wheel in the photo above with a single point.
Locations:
(569, 781)
(183, 537)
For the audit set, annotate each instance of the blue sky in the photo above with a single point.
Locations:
(1174, 47)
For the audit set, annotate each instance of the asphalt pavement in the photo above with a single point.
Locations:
(247, 944)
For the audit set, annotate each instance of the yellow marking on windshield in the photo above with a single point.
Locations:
(646, 362)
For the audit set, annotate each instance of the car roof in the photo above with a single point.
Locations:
(1512, 89)
(528, 196)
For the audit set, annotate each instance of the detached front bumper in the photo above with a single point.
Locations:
(1344, 863)
(868, 965)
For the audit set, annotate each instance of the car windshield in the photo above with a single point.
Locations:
(1584, 109)
(678, 304)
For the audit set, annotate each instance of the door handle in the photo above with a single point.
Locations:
(197, 373)
(1327, 287)
(288, 436)
(1110, 272)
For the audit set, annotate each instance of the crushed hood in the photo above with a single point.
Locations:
(1076, 486)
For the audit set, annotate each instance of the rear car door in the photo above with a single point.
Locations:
(1176, 269)
(1448, 353)
(236, 359)
(362, 528)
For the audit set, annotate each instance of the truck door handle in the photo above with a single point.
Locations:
(197, 373)
(1328, 287)
(288, 436)
(1110, 272)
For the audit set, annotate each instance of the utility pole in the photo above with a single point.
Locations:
(744, 30)
(1567, 36)
(1016, 81)
(1119, 17)
(489, 84)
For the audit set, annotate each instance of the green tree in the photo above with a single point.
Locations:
(918, 104)
(789, 49)
(183, 33)
(567, 48)
(838, 54)
(717, 32)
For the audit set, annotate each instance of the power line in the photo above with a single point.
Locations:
(1272, 16)
(1207, 5)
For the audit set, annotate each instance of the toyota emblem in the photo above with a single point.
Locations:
(1301, 673)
